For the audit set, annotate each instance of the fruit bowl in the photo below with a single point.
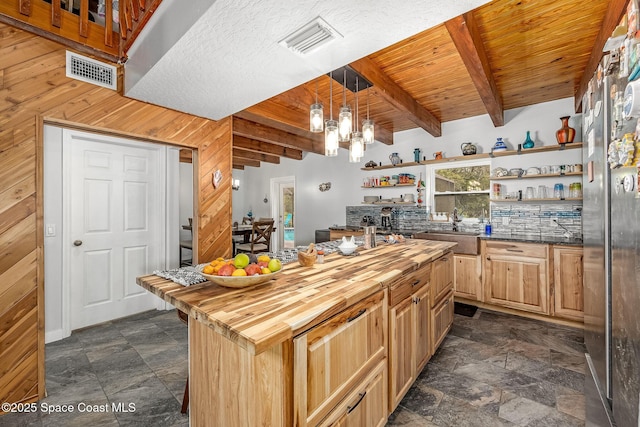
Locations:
(240, 281)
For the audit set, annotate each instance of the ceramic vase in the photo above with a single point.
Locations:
(566, 133)
(528, 142)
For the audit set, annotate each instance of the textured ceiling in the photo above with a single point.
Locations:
(215, 58)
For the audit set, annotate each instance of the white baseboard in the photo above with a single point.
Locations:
(52, 336)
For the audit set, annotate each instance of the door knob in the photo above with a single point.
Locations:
(77, 242)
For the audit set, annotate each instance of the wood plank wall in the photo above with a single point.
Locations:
(35, 90)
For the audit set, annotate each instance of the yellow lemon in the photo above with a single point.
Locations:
(264, 258)
(265, 270)
(239, 272)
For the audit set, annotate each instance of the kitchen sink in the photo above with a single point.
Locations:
(468, 242)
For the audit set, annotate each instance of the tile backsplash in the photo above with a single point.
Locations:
(506, 218)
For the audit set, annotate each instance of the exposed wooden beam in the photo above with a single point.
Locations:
(245, 162)
(396, 96)
(276, 124)
(466, 37)
(186, 155)
(253, 155)
(266, 147)
(260, 132)
(615, 11)
(237, 166)
(383, 135)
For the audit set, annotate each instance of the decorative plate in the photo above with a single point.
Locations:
(240, 281)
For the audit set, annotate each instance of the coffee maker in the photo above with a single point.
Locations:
(385, 215)
(367, 220)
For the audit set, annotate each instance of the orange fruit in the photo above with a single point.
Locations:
(208, 269)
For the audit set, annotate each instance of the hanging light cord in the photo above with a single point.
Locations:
(368, 102)
(344, 88)
(356, 103)
(331, 95)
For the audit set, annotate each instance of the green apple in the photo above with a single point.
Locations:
(274, 265)
(241, 260)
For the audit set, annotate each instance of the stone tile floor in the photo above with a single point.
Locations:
(491, 370)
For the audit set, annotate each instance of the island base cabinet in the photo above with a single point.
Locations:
(441, 320)
(365, 405)
(332, 360)
(245, 389)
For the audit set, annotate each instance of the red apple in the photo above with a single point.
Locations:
(226, 270)
(252, 269)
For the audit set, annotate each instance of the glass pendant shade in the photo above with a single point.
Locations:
(316, 118)
(356, 148)
(367, 131)
(345, 122)
(331, 138)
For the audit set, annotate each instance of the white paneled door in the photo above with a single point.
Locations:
(114, 210)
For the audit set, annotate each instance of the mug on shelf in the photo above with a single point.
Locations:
(437, 155)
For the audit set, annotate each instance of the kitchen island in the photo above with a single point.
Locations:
(293, 350)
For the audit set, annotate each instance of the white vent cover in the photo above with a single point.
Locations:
(91, 71)
(310, 37)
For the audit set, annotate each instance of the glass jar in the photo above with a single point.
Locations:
(320, 257)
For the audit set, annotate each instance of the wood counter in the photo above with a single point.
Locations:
(299, 298)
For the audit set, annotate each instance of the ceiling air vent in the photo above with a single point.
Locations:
(91, 71)
(313, 35)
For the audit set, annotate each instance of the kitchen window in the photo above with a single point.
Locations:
(462, 184)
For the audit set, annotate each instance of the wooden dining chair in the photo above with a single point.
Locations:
(187, 244)
(246, 220)
(260, 238)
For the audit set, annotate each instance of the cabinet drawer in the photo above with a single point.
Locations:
(532, 250)
(332, 358)
(408, 284)
(365, 405)
(441, 277)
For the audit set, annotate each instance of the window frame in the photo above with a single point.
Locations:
(430, 181)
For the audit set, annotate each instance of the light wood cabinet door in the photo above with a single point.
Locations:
(401, 359)
(422, 321)
(334, 357)
(441, 320)
(365, 406)
(467, 276)
(409, 342)
(441, 277)
(517, 281)
(568, 285)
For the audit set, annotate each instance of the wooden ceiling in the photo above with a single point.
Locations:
(503, 55)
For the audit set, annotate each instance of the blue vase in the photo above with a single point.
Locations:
(499, 145)
(528, 143)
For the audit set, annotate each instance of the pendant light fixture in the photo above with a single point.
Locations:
(367, 125)
(316, 115)
(331, 127)
(345, 121)
(356, 148)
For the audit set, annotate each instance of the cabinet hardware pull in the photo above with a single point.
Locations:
(444, 259)
(358, 314)
(415, 283)
(515, 250)
(488, 258)
(350, 409)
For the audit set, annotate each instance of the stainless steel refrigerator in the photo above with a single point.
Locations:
(611, 232)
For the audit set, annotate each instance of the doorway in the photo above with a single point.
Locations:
(110, 215)
(283, 191)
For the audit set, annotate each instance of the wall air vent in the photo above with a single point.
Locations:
(312, 36)
(91, 71)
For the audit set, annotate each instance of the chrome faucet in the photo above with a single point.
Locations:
(455, 220)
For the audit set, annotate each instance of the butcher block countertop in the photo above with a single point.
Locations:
(257, 318)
